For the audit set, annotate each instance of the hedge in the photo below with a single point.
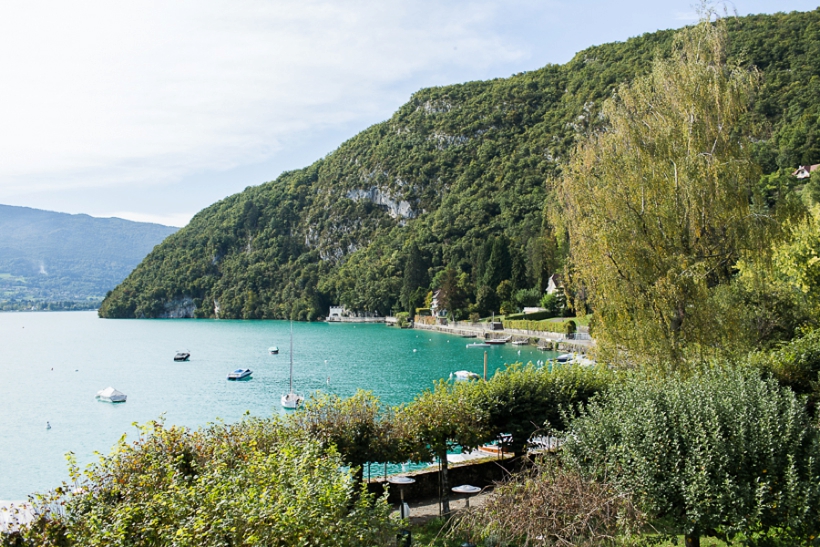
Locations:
(540, 326)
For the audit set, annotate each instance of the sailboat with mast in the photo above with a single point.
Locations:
(291, 400)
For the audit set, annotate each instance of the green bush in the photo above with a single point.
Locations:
(244, 484)
(539, 326)
(721, 453)
(402, 319)
(794, 364)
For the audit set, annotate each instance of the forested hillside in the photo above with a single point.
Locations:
(451, 191)
(48, 256)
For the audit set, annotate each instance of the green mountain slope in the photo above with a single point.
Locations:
(56, 256)
(456, 178)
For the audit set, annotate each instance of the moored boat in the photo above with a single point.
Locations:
(291, 400)
(478, 345)
(240, 374)
(111, 395)
(498, 341)
(274, 350)
(182, 356)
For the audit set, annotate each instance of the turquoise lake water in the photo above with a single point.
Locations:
(53, 364)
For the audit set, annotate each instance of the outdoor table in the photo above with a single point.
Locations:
(468, 490)
(401, 482)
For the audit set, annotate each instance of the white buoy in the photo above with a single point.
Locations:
(414, 350)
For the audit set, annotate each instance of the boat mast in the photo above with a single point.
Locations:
(290, 389)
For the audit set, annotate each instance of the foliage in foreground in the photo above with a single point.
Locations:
(550, 505)
(722, 453)
(247, 484)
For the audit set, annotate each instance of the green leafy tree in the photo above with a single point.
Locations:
(440, 420)
(358, 427)
(486, 300)
(720, 453)
(812, 188)
(521, 399)
(658, 205)
(452, 298)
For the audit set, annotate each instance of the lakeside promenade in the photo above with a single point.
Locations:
(485, 331)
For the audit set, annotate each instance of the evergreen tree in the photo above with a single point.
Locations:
(414, 282)
(499, 267)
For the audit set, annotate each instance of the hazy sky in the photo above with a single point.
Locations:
(153, 110)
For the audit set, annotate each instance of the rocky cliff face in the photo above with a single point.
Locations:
(396, 209)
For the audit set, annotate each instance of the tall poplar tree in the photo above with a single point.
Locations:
(658, 205)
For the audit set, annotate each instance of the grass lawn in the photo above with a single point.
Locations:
(433, 534)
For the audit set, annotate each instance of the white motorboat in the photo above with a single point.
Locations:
(111, 395)
(274, 350)
(498, 341)
(564, 358)
(464, 376)
(291, 400)
(182, 356)
(520, 342)
(240, 374)
(478, 345)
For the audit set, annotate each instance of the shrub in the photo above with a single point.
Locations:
(721, 453)
(244, 484)
(551, 505)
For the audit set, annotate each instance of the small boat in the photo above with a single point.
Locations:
(478, 345)
(240, 374)
(274, 350)
(464, 375)
(497, 341)
(564, 358)
(182, 356)
(520, 342)
(111, 395)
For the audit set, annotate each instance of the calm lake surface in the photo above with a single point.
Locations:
(53, 364)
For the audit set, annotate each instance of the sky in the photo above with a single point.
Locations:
(153, 110)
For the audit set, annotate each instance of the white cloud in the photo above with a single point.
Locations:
(100, 93)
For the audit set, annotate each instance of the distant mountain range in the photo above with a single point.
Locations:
(48, 256)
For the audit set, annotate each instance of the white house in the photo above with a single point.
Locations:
(554, 284)
(435, 308)
(805, 171)
(336, 313)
